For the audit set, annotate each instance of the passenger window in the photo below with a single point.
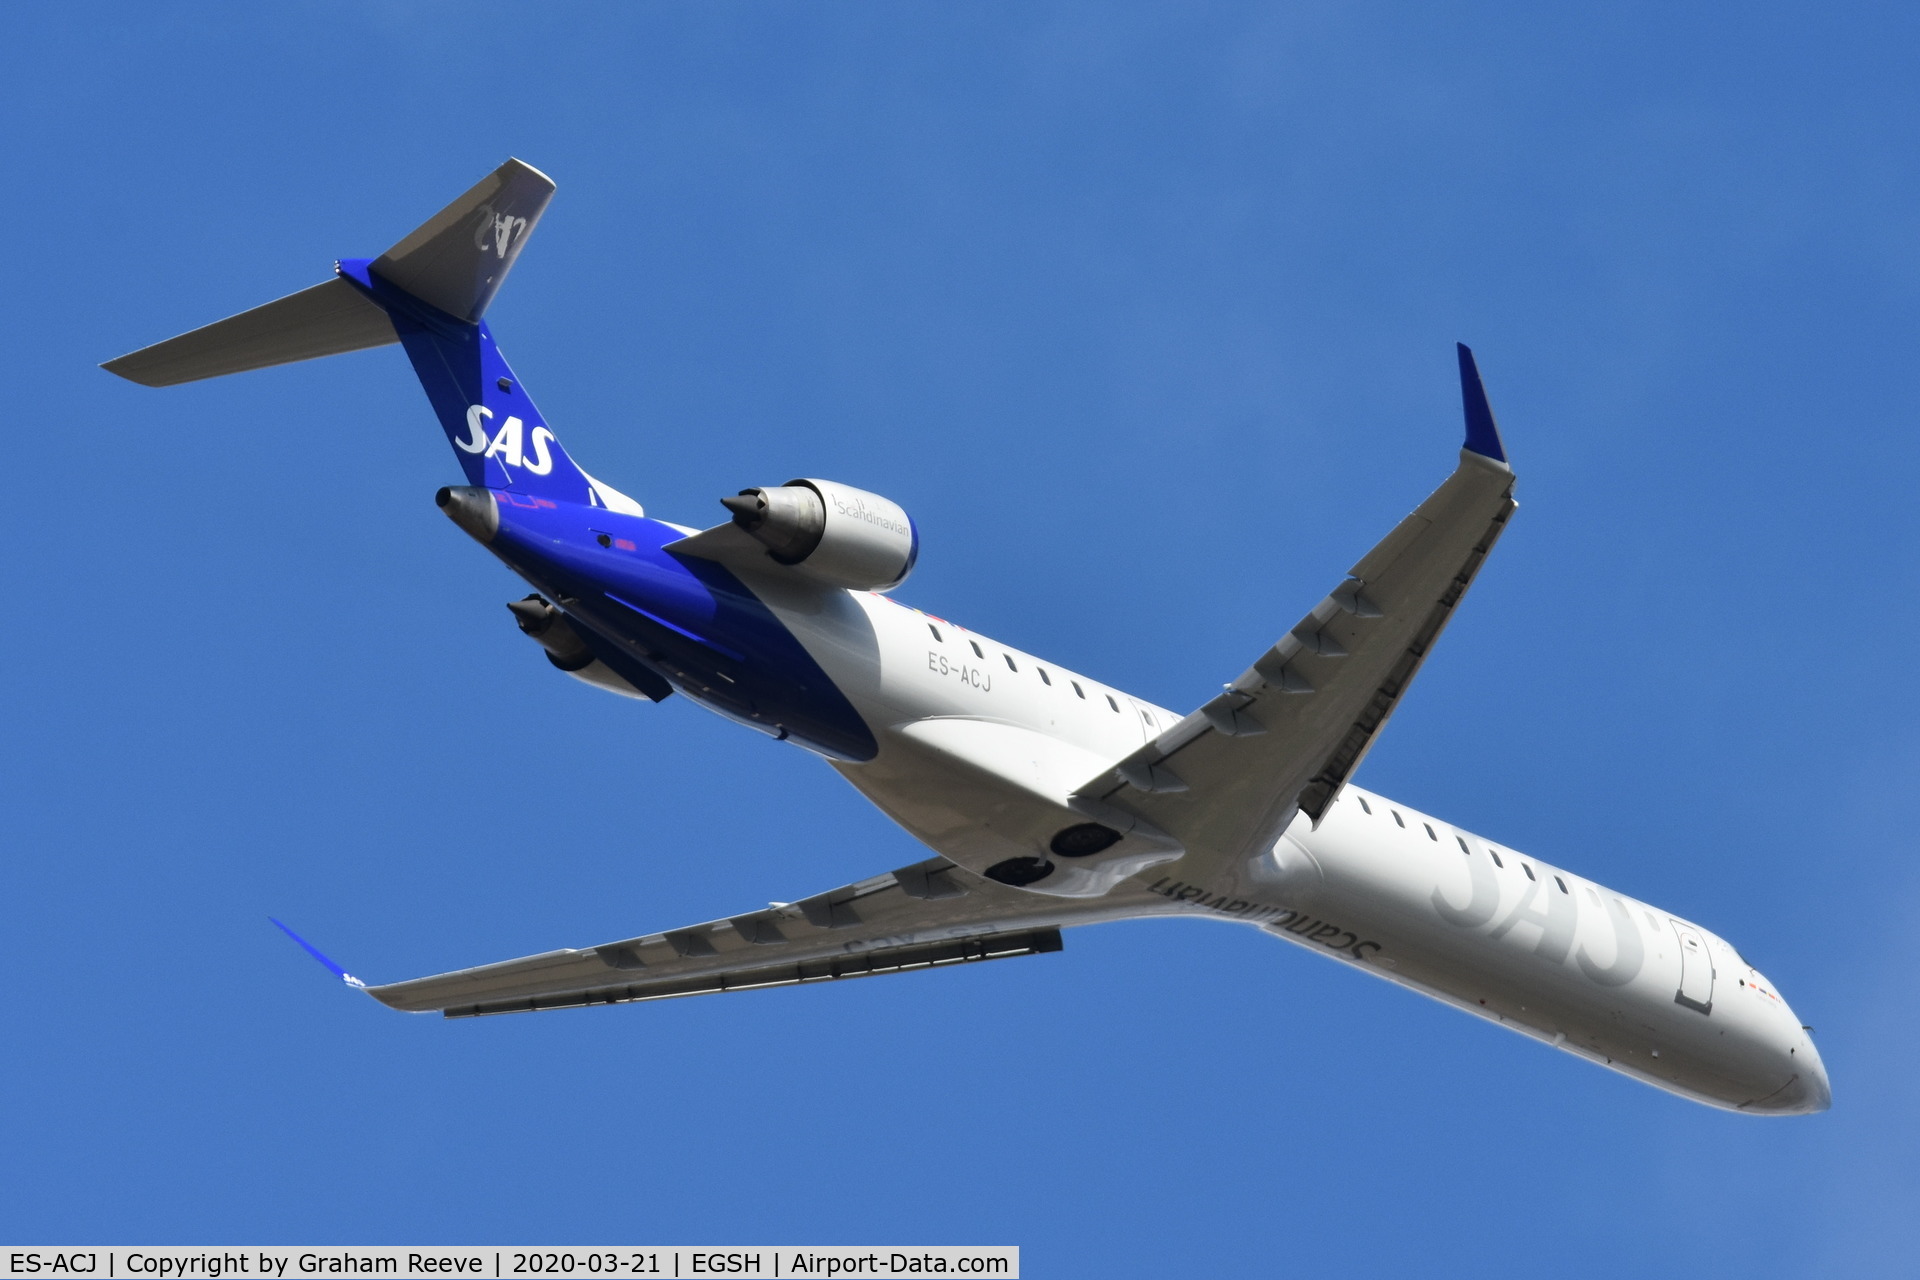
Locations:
(1495, 855)
(1044, 677)
(1562, 883)
(1364, 806)
(1463, 847)
(936, 633)
(1398, 821)
(1529, 870)
(1429, 827)
(978, 652)
(1594, 896)
(1009, 658)
(1078, 691)
(1112, 703)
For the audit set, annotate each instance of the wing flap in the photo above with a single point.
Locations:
(1286, 735)
(930, 955)
(924, 916)
(1361, 734)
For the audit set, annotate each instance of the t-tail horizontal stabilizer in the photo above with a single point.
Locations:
(454, 262)
(326, 320)
(315, 952)
(428, 293)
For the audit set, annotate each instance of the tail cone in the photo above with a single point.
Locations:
(472, 509)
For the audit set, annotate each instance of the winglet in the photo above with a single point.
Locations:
(314, 951)
(1483, 437)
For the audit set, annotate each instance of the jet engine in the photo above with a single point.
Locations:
(549, 627)
(830, 532)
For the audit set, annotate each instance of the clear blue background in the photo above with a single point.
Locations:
(1146, 312)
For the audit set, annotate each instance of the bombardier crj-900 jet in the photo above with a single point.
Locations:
(1048, 798)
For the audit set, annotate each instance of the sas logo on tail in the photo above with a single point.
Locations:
(507, 444)
(497, 231)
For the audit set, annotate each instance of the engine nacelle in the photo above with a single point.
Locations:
(549, 627)
(831, 532)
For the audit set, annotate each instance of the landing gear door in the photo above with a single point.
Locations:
(1696, 969)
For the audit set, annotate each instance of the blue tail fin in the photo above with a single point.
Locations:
(495, 429)
(429, 293)
(435, 286)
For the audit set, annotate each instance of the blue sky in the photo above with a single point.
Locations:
(1146, 313)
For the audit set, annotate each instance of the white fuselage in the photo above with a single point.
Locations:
(974, 735)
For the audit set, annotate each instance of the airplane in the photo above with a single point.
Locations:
(1048, 799)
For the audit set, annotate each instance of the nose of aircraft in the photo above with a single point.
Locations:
(1808, 1092)
(1822, 1094)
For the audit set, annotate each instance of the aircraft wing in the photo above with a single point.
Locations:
(1285, 737)
(919, 917)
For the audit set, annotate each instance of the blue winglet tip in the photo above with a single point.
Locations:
(316, 953)
(1483, 437)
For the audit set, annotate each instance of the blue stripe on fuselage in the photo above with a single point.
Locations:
(687, 618)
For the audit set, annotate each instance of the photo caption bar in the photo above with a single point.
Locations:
(491, 1262)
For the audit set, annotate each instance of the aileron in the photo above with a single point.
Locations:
(922, 916)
